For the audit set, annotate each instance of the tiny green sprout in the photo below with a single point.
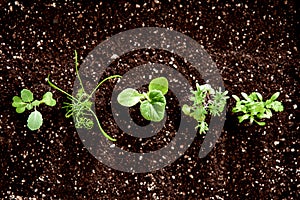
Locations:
(253, 107)
(80, 107)
(205, 100)
(26, 101)
(152, 104)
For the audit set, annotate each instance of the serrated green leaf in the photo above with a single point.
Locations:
(26, 95)
(129, 97)
(48, 99)
(203, 127)
(199, 113)
(160, 84)
(35, 120)
(277, 106)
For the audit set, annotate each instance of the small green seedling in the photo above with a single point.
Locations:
(81, 105)
(152, 103)
(26, 101)
(205, 100)
(254, 107)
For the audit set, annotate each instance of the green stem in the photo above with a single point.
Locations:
(110, 77)
(61, 90)
(146, 97)
(76, 68)
(99, 125)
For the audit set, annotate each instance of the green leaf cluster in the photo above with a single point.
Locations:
(152, 103)
(206, 101)
(254, 108)
(80, 107)
(26, 101)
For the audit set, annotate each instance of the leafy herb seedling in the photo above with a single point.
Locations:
(153, 103)
(205, 100)
(81, 105)
(26, 101)
(254, 107)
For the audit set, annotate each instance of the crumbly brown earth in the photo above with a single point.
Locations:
(255, 46)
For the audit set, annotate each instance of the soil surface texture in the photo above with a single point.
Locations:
(255, 45)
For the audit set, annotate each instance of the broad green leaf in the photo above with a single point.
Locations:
(275, 96)
(48, 99)
(160, 84)
(186, 109)
(129, 97)
(152, 111)
(26, 95)
(156, 96)
(35, 120)
(29, 106)
(20, 109)
(17, 102)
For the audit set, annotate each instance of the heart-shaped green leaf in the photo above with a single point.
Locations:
(35, 120)
(48, 99)
(26, 95)
(19, 104)
(160, 84)
(129, 97)
(154, 109)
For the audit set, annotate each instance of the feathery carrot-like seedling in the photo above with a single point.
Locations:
(80, 106)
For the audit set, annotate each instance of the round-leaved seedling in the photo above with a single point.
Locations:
(152, 104)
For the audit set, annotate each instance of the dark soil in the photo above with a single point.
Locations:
(255, 46)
